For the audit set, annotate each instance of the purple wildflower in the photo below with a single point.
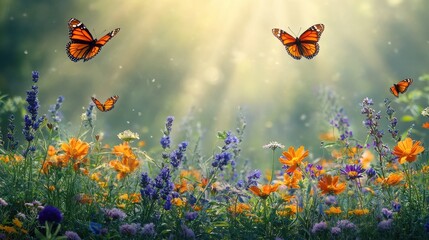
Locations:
(253, 177)
(54, 110)
(387, 213)
(385, 224)
(393, 121)
(318, 227)
(161, 187)
(70, 235)
(165, 140)
(130, 229)
(353, 171)
(35, 76)
(346, 224)
(95, 228)
(335, 231)
(190, 216)
(177, 156)
(31, 120)
(13, 144)
(370, 172)
(50, 214)
(330, 200)
(149, 230)
(115, 214)
(187, 232)
(396, 206)
(371, 122)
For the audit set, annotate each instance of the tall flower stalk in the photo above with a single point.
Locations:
(32, 123)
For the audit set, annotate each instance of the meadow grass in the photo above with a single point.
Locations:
(58, 185)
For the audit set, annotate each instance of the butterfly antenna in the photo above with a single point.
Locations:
(293, 31)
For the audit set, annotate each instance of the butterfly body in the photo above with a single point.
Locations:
(401, 87)
(306, 45)
(82, 45)
(108, 105)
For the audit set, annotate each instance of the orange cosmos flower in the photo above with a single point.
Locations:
(123, 150)
(76, 150)
(333, 210)
(366, 159)
(425, 125)
(407, 150)
(330, 185)
(239, 208)
(293, 158)
(125, 166)
(392, 180)
(292, 181)
(183, 186)
(264, 191)
(180, 202)
(289, 210)
(359, 212)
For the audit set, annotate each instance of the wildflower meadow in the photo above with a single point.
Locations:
(58, 184)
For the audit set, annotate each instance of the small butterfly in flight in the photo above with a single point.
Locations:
(401, 86)
(304, 46)
(108, 105)
(82, 45)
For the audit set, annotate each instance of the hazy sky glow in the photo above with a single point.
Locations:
(212, 58)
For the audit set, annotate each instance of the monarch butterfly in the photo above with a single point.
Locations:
(304, 46)
(401, 86)
(82, 45)
(108, 105)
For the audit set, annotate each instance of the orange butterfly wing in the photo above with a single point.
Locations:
(108, 105)
(401, 87)
(304, 46)
(82, 45)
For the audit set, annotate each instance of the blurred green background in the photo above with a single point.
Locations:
(202, 61)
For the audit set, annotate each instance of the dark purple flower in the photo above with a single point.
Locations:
(187, 232)
(335, 231)
(385, 224)
(165, 142)
(130, 229)
(318, 227)
(50, 214)
(396, 206)
(70, 235)
(346, 224)
(353, 171)
(13, 144)
(54, 110)
(115, 214)
(177, 156)
(253, 177)
(387, 213)
(370, 172)
(35, 75)
(190, 216)
(330, 200)
(95, 228)
(149, 230)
